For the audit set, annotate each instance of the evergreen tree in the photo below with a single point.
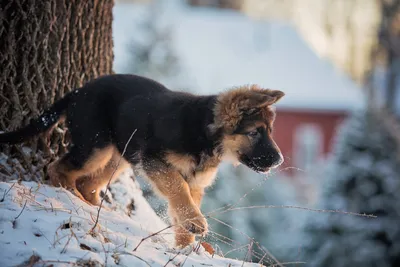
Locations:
(363, 177)
(151, 48)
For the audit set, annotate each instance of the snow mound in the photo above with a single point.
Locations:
(43, 225)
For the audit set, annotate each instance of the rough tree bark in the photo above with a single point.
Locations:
(47, 48)
(389, 43)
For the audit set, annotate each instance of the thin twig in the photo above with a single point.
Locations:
(301, 208)
(73, 203)
(5, 193)
(196, 249)
(139, 258)
(262, 259)
(45, 237)
(183, 263)
(66, 244)
(53, 209)
(287, 263)
(173, 258)
(230, 242)
(69, 238)
(105, 254)
(72, 231)
(247, 236)
(248, 253)
(57, 261)
(235, 249)
(109, 180)
(149, 236)
(21, 211)
(277, 263)
(131, 254)
(267, 177)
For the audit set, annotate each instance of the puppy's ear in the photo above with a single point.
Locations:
(276, 94)
(257, 100)
(262, 99)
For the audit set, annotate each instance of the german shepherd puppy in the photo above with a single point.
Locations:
(178, 140)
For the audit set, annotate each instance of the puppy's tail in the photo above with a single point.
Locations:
(39, 125)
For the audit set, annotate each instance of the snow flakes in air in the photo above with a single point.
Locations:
(48, 119)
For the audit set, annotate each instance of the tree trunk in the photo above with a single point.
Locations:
(389, 42)
(47, 48)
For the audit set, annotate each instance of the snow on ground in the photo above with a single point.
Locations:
(47, 225)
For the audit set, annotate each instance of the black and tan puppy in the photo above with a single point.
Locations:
(179, 142)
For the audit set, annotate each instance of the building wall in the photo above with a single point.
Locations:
(305, 137)
(344, 31)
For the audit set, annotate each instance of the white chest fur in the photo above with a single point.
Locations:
(203, 179)
(197, 175)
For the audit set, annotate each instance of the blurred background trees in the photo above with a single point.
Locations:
(153, 55)
(363, 176)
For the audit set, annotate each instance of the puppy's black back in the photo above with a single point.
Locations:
(107, 111)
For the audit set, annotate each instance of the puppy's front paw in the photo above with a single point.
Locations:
(196, 224)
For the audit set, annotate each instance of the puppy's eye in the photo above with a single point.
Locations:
(253, 133)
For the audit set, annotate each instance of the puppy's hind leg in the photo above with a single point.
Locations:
(77, 163)
(90, 186)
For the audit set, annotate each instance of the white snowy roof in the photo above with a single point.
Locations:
(221, 48)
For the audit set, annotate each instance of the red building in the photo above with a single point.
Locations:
(305, 137)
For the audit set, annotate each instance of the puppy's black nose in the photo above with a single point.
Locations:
(277, 160)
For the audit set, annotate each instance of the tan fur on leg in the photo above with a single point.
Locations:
(183, 236)
(62, 173)
(170, 184)
(90, 186)
(197, 195)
